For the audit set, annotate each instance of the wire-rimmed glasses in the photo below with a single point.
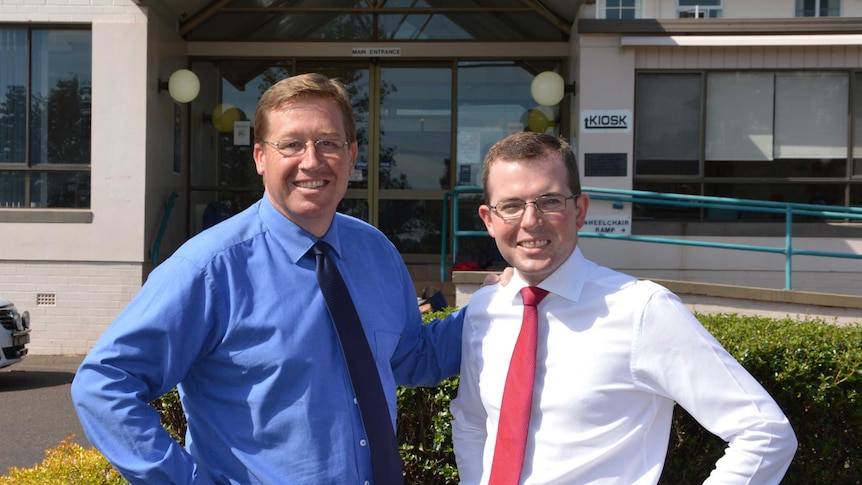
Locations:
(294, 148)
(514, 208)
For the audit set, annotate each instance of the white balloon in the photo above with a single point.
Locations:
(548, 88)
(184, 86)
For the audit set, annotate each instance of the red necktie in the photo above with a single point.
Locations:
(517, 396)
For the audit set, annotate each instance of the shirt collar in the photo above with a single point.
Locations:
(295, 240)
(567, 281)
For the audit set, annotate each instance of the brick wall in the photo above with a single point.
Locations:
(70, 303)
(71, 11)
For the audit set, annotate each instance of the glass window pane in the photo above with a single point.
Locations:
(12, 188)
(644, 211)
(830, 8)
(856, 197)
(60, 189)
(739, 116)
(356, 79)
(413, 226)
(811, 114)
(794, 167)
(282, 26)
(701, 3)
(857, 120)
(668, 116)
(449, 3)
(60, 97)
(805, 8)
(357, 208)
(13, 96)
(415, 127)
(301, 3)
(236, 88)
(821, 194)
(209, 207)
(494, 101)
(421, 27)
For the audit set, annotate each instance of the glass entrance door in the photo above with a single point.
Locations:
(414, 155)
(404, 129)
(415, 125)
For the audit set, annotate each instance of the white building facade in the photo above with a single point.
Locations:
(103, 175)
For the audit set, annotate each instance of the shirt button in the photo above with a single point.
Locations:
(362, 442)
(355, 401)
(367, 482)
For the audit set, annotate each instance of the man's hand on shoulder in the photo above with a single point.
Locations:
(502, 278)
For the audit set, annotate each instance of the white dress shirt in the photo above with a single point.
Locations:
(614, 354)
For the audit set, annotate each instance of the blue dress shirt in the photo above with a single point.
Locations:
(236, 320)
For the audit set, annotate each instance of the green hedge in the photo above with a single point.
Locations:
(812, 368)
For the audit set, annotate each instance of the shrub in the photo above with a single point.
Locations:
(424, 429)
(172, 415)
(67, 463)
(813, 370)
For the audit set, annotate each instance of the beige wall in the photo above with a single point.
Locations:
(118, 141)
(90, 271)
(606, 82)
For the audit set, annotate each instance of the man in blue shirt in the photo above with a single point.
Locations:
(236, 320)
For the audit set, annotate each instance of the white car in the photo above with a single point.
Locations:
(15, 334)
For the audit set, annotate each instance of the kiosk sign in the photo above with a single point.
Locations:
(606, 121)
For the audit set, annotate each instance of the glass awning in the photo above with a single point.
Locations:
(375, 20)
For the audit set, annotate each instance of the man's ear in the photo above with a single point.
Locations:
(583, 205)
(258, 155)
(485, 215)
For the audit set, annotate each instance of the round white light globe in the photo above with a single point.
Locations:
(184, 86)
(548, 88)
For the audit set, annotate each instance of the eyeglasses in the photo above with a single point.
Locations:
(295, 148)
(514, 208)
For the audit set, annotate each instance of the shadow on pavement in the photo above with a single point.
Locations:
(27, 380)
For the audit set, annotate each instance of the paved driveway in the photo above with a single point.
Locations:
(36, 410)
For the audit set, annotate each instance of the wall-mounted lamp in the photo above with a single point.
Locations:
(548, 88)
(183, 86)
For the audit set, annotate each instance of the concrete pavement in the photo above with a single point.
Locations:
(36, 411)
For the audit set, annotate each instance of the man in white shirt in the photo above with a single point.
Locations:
(613, 355)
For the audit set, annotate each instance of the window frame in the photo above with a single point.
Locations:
(697, 10)
(602, 9)
(799, 10)
(29, 167)
(841, 177)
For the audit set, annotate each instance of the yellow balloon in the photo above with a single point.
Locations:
(539, 122)
(224, 116)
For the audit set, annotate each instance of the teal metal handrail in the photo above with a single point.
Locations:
(169, 206)
(619, 196)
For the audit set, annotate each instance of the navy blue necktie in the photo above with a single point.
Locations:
(385, 459)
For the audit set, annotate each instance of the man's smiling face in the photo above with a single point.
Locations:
(536, 243)
(306, 188)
